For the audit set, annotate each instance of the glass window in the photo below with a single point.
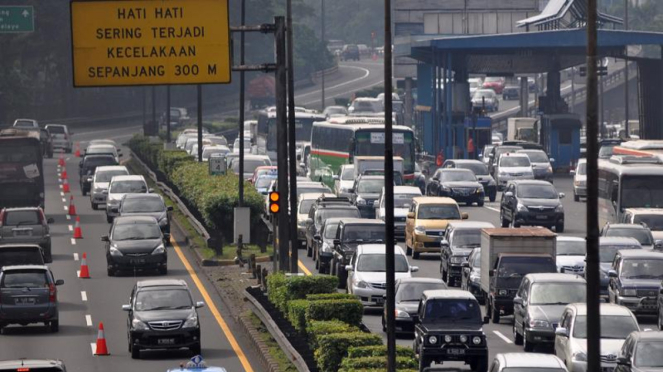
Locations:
(127, 187)
(607, 252)
(264, 182)
(402, 200)
(18, 217)
(466, 238)
(612, 327)
(136, 231)
(458, 176)
(649, 354)
(106, 176)
(143, 205)
(476, 260)
(330, 230)
(641, 235)
(571, 248)
(536, 156)
(163, 300)
(348, 174)
(452, 310)
(514, 161)
(56, 130)
(305, 206)
(653, 221)
(517, 267)
(370, 186)
(536, 192)
(642, 269)
(477, 168)
(376, 262)
(374, 233)
(411, 292)
(582, 169)
(557, 293)
(642, 192)
(403, 146)
(438, 212)
(25, 278)
(96, 161)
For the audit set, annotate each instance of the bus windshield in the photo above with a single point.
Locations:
(642, 192)
(371, 143)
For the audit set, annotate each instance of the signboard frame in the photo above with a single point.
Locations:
(228, 58)
(31, 9)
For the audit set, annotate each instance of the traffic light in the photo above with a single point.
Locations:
(274, 198)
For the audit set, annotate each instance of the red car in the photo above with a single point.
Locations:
(494, 83)
(262, 170)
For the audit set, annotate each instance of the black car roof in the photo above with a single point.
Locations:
(361, 221)
(128, 220)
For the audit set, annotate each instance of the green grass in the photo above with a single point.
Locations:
(285, 365)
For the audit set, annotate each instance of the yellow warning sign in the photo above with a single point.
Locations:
(150, 42)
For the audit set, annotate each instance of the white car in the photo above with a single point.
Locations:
(403, 196)
(580, 180)
(344, 180)
(512, 166)
(617, 322)
(571, 254)
(533, 362)
(120, 186)
(251, 162)
(183, 137)
(247, 146)
(101, 179)
(214, 149)
(367, 276)
(60, 136)
(97, 149)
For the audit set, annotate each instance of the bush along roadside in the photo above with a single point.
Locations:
(331, 323)
(211, 198)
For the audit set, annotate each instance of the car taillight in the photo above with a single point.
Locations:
(52, 293)
(42, 217)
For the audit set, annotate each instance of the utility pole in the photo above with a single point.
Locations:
(241, 107)
(592, 265)
(154, 109)
(389, 193)
(167, 113)
(292, 142)
(200, 122)
(282, 143)
(626, 98)
(324, 43)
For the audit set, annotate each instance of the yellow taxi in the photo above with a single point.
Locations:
(426, 222)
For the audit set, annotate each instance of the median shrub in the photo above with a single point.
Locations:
(297, 314)
(330, 296)
(333, 348)
(169, 160)
(378, 351)
(318, 328)
(375, 362)
(283, 289)
(349, 311)
(276, 289)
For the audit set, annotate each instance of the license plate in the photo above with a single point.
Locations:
(379, 300)
(22, 233)
(166, 341)
(24, 301)
(137, 261)
(456, 351)
(542, 217)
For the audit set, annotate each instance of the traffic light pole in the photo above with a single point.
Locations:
(282, 144)
(292, 141)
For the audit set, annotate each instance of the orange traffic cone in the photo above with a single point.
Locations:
(78, 233)
(63, 175)
(101, 348)
(72, 207)
(65, 186)
(85, 271)
(78, 150)
(61, 161)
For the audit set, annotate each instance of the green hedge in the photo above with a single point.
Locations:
(297, 314)
(276, 289)
(378, 351)
(377, 362)
(282, 289)
(318, 328)
(214, 197)
(330, 296)
(334, 347)
(349, 311)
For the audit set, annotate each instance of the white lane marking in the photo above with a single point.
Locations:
(65, 207)
(83, 296)
(88, 320)
(61, 193)
(68, 217)
(64, 200)
(59, 174)
(61, 187)
(73, 241)
(93, 346)
(75, 256)
(503, 337)
(71, 228)
(493, 209)
(78, 273)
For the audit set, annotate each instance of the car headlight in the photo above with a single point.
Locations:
(463, 338)
(579, 357)
(115, 252)
(402, 314)
(479, 190)
(630, 292)
(159, 250)
(191, 322)
(503, 174)
(549, 170)
(362, 284)
(447, 339)
(476, 340)
(534, 323)
(361, 201)
(458, 259)
(474, 278)
(502, 292)
(432, 340)
(420, 229)
(521, 208)
(138, 325)
(559, 208)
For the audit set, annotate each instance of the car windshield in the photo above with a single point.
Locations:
(25, 278)
(312, 189)
(250, 165)
(457, 176)
(167, 299)
(305, 206)
(643, 236)
(126, 187)
(607, 252)
(96, 161)
(370, 186)
(536, 156)
(438, 212)
(517, 267)
(29, 217)
(146, 205)
(653, 221)
(355, 233)
(642, 192)
(571, 248)
(536, 192)
(582, 169)
(136, 231)
(106, 176)
(376, 262)
(452, 310)
(514, 161)
(20, 256)
(612, 326)
(335, 110)
(487, 149)
(348, 174)
(264, 182)
(100, 150)
(412, 291)
(402, 200)
(367, 106)
(476, 260)
(557, 293)
(55, 130)
(478, 169)
(469, 238)
(330, 230)
(24, 124)
(642, 269)
(649, 354)
(484, 93)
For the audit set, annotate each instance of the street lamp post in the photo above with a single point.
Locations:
(322, 37)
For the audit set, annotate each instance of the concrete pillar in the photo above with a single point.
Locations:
(524, 97)
(408, 102)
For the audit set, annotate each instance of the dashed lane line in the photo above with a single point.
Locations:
(93, 346)
(213, 309)
(83, 296)
(76, 257)
(493, 209)
(68, 217)
(64, 200)
(503, 337)
(61, 193)
(88, 320)
(65, 207)
(73, 241)
(71, 228)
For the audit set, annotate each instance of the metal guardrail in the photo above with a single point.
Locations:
(200, 229)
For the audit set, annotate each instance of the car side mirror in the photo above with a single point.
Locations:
(562, 332)
(518, 301)
(464, 215)
(410, 215)
(126, 307)
(562, 195)
(200, 304)
(552, 160)
(486, 319)
(572, 172)
(612, 274)
(623, 362)
(351, 191)
(658, 244)
(444, 243)
(348, 267)
(169, 208)
(150, 190)
(414, 269)
(309, 221)
(104, 238)
(50, 220)
(491, 272)
(317, 237)
(59, 282)
(508, 194)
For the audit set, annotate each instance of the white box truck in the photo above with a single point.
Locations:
(522, 129)
(507, 255)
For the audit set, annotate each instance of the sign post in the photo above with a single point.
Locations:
(150, 42)
(14, 19)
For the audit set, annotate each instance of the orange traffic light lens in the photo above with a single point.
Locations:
(274, 208)
(274, 196)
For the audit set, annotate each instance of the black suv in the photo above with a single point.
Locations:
(147, 205)
(349, 52)
(534, 203)
(162, 315)
(460, 239)
(459, 184)
(635, 280)
(480, 170)
(136, 243)
(349, 234)
(365, 192)
(88, 165)
(322, 210)
(449, 327)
